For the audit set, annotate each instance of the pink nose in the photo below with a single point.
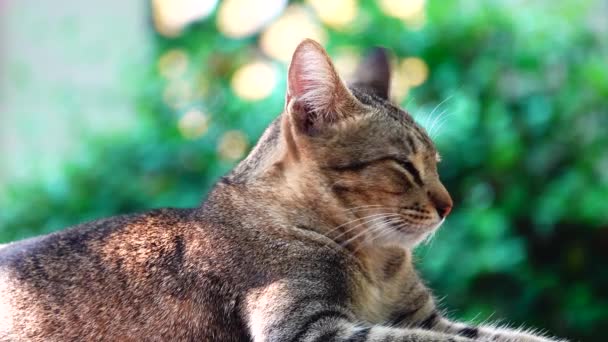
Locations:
(442, 203)
(443, 210)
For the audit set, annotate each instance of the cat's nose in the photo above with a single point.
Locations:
(443, 209)
(441, 201)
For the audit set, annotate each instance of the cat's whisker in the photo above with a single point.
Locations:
(358, 219)
(440, 125)
(395, 221)
(380, 219)
(427, 120)
(426, 126)
(370, 229)
(433, 131)
(443, 122)
(351, 229)
(432, 127)
(381, 232)
(350, 222)
(353, 221)
(428, 238)
(353, 210)
(439, 105)
(392, 221)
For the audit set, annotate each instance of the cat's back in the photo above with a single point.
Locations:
(88, 240)
(152, 274)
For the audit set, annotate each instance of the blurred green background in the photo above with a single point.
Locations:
(145, 104)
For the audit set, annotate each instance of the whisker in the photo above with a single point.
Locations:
(384, 217)
(371, 208)
(439, 118)
(381, 232)
(352, 221)
(429, 238)
(392, 221)
(439, 105)
(345, 243)
(435, 121)
(440, 126)
(366, 219)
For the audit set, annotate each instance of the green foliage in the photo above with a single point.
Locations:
(524, 149)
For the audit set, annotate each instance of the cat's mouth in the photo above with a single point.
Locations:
(404, 229)
(411, 227)
(410, 234)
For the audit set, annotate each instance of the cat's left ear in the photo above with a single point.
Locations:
(316, 96)
(374, 73)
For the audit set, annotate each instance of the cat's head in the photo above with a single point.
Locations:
(352, 144)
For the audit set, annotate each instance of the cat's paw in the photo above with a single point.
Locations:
(519, 337)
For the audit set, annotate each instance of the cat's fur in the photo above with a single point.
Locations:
(308, 239)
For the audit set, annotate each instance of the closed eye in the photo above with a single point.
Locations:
(411, 169)
(405, 164)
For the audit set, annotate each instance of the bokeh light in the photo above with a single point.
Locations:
(414, 70)
(241, 18)
(400, 88)
(409, 72)
(193, 124)
(416, 21)
(254, 81)
(171, 16)
(173, 63)
(280, 39)
(402, 9)
(178, 94)
(232, 145)
(336, 13)
(346, 61)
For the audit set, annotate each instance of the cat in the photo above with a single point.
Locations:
(307, 239)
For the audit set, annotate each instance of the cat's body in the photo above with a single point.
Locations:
(165, 275)
(308, 239)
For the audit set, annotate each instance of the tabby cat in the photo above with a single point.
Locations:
(308, 239)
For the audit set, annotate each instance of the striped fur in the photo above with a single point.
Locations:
(308, 239)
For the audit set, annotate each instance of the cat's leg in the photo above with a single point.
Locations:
(282, 312)
(335, 329)
(420, 311)
(488, 333)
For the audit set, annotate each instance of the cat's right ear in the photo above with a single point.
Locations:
(374, 73)
(316, 95)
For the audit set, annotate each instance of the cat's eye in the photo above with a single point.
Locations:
(411, 169)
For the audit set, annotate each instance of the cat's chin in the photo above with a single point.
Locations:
(407, 239)
(402, 240)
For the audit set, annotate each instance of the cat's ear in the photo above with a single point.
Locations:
(374, 73)
(316, 96)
